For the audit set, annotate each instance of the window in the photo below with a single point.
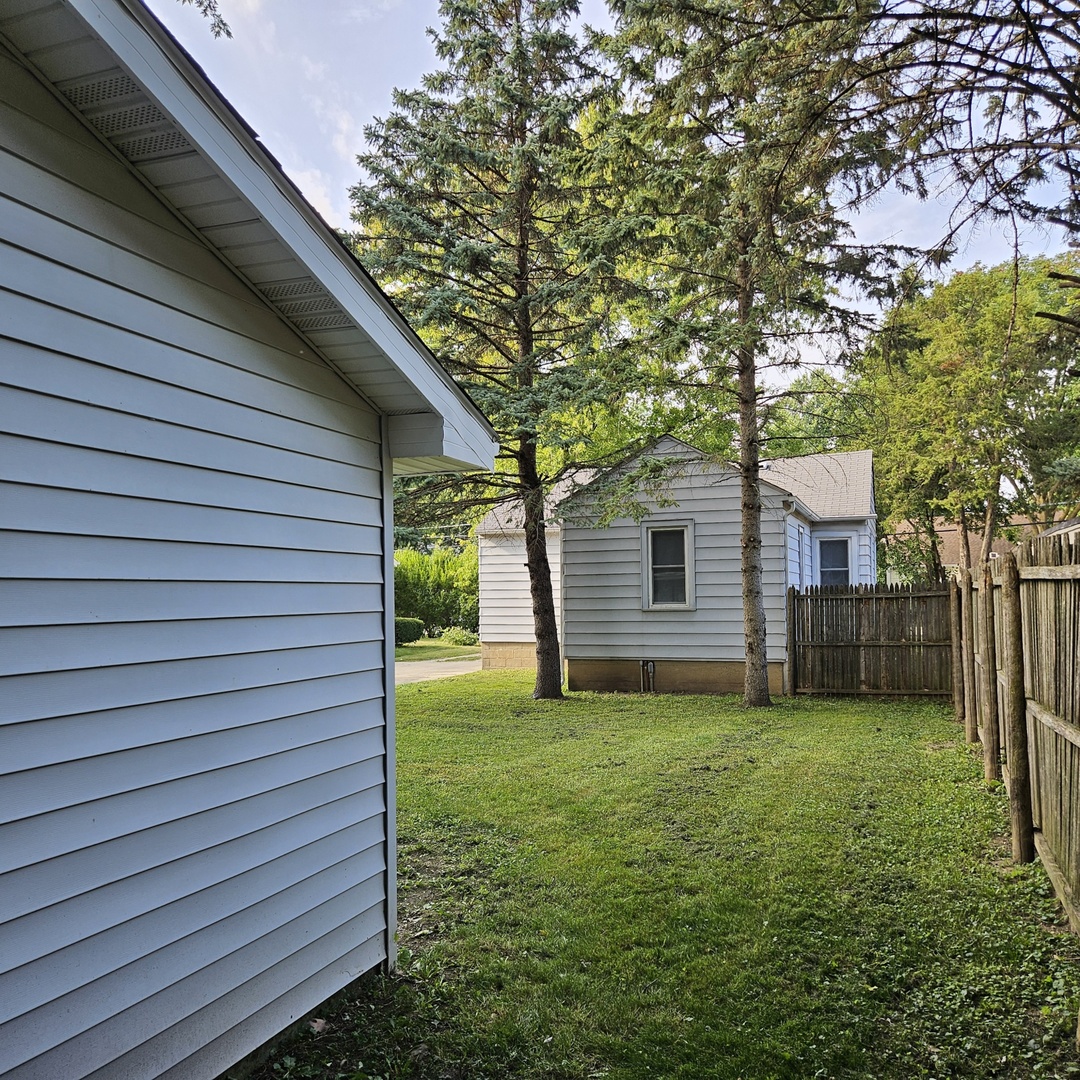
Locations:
(667, 568)
(834, 563)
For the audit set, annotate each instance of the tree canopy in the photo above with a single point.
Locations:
(975, 399)
(484, 219)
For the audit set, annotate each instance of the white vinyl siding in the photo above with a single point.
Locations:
(505, 598)
(799, 553)
(193, 830)
(603, 586)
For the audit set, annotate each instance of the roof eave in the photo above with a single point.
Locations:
(145, 49)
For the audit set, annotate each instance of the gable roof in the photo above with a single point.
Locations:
(112, 63)
(834, 486)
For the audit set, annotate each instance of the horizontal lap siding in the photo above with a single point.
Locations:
(505, 598)
(193, 816)
(602, 584)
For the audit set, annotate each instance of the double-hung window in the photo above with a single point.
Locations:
(667, 565)
(834, 561)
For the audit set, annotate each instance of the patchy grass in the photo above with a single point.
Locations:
(434, 649)
(630, 887)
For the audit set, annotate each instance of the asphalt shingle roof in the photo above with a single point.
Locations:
(831, 485)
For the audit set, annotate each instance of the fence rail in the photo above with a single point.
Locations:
(894, 640)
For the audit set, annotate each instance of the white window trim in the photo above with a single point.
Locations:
(687, 526)
(852, 570)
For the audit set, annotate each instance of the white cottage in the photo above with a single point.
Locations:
(202, 397)
(657, 602)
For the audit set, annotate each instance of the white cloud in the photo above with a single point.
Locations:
(370, 10)
(314, 70)
(322, 192)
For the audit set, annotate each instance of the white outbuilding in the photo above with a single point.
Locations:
(204, 398)
(653, 599)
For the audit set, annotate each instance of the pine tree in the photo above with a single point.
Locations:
(481, 217)
(751, 121)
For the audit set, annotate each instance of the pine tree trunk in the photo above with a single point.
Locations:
(989, 524)
(965, 541)
(756, 681)
(545, 624)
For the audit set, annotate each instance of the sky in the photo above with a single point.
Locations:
(308, 75)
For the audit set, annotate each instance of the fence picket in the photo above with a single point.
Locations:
(872, 640)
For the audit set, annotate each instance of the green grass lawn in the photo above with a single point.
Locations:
(639, 887)
(434, 649)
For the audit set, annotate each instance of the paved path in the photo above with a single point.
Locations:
(422, 670)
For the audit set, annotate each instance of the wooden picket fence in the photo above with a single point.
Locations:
(1021, 696)
(875, 640)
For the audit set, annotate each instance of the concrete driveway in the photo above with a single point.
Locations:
(422, 670)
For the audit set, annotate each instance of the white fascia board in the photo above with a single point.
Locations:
(147, 53)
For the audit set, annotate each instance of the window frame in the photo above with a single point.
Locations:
(686, 526)
(846, 539)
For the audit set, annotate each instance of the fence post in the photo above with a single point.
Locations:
(1015, 703)
(971, 711)
(957, 651)
(991, 739)
(792, 642)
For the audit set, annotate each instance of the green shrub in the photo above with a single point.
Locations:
(458, 635)
(407, 630)
(441, 589)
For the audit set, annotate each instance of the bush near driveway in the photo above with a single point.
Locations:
(632, 886)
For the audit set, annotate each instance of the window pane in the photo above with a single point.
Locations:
(667, 549)
(834, 562)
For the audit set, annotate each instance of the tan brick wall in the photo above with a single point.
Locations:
(507, 655)
(671, 676)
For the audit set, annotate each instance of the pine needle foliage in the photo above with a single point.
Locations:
(756, 135)
(484, 219)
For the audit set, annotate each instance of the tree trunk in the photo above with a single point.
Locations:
(756, 681)
(545, 624)
(989, 525)
(965, 541)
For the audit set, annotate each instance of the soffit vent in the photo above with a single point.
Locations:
(339, 321)
(307, 306)
(159, 144)
(102, 90)
(289, 289)
(116, 105)
(130, 119)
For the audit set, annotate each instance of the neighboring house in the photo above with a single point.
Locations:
(202, 393)
(666, 590)
(507, 634)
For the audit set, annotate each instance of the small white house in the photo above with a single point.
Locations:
(659, 599)
(203, 398)
(507, 634)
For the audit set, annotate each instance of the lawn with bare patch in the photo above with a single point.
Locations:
(630, 886)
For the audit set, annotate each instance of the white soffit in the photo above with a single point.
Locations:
(117, 66)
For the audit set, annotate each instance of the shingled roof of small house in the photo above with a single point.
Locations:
(833, 486)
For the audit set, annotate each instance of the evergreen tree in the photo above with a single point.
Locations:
(482, 218)
(749, 122)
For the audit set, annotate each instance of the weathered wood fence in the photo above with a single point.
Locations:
(1021, 699)
(871, 639)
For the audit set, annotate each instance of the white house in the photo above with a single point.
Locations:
(507, 635)
(660, 598)
(202, 394)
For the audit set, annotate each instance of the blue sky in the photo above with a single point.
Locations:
(309, 74)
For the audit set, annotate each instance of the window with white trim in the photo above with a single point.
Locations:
(667, 565)
(834, 561)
